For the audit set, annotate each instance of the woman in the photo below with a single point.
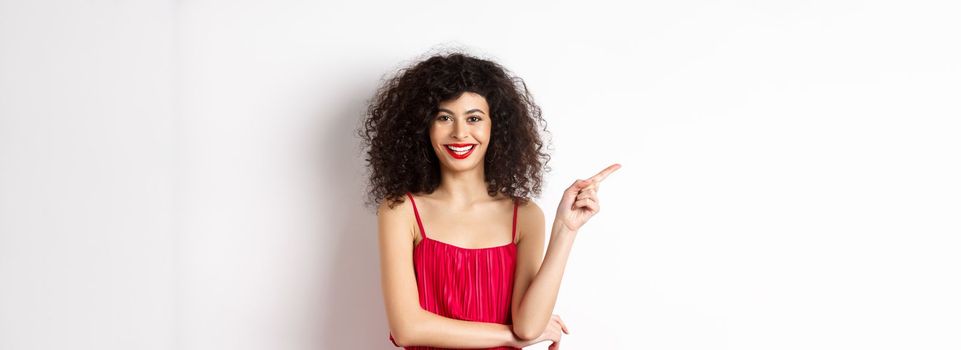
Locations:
(454, 156)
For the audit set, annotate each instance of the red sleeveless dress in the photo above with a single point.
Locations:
(472, 284)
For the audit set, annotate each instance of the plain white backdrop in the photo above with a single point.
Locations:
(186, 174)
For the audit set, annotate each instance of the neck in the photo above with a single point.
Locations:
(463, 188)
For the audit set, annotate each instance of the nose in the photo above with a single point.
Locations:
(459, 131)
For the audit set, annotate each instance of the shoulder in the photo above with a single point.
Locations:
(530, 219)
(389, 206)
(530, 210)
(396, 220)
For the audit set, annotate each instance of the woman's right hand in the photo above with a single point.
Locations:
(552, 332)
(579, 202)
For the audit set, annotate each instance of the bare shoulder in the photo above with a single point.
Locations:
(530, 210)
(397, 220)
(530, 219)
(385, 208)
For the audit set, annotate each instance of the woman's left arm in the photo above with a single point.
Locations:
(536, 283)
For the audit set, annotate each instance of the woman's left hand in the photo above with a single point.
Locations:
(579, 202)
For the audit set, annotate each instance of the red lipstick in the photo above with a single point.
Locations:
(460, 146)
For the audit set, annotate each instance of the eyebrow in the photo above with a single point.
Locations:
(468, 112)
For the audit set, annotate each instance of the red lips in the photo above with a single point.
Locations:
(460, 145)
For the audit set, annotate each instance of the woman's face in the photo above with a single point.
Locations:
(460, 132)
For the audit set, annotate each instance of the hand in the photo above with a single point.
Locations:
(552, 332)
(579, 202)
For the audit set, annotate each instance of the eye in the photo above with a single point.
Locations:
(442, 117)
(474, 117)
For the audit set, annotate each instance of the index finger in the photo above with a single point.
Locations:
(604, 173)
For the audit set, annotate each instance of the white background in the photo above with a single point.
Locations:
(185, 175)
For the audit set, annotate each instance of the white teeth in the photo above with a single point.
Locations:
(460, 149)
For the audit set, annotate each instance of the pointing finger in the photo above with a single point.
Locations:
(604, 173)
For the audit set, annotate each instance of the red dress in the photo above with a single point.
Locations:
(472, 284)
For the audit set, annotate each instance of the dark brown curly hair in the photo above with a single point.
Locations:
(396, 136)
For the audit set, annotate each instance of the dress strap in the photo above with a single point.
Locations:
(514, 225)
(416, 214)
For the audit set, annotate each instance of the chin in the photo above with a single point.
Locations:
(462, 166)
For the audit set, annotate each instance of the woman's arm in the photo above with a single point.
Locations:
(536, 283)
(411, 325)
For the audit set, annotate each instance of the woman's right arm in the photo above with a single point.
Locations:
(410, 324)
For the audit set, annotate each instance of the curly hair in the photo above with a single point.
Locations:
(396, 128)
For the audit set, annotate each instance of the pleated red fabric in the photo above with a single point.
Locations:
(472, 284)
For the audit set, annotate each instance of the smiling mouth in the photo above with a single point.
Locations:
(460, 151)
